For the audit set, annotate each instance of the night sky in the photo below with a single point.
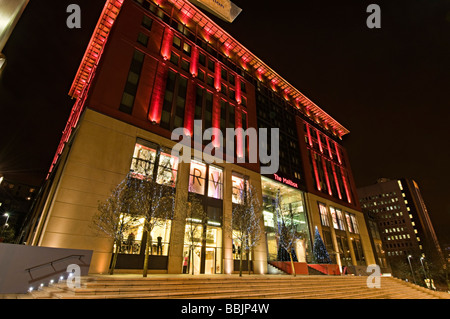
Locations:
(388, 86)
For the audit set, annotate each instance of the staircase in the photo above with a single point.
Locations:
(232, 287)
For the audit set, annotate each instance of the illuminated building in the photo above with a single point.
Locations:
(152, 67)
(402, 218)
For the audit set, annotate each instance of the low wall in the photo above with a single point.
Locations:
(300, 268)
(326, 269)
(22, 266)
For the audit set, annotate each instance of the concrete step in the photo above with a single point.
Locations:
(233, 287)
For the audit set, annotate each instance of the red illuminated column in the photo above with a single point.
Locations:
(190, 107)
(158, 93)
(239, 136)
(238, 90)
(194, 61)
(216, 120)
(316, 173)
(166, 47)
(337, 153)
(329, 149)
(336, 181)
(319, 141)
(217, 76)
(326, 176)
(309, 135)
(344, 179)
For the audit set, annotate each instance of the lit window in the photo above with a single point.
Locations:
(238, 189)
(215, 182)
(197, 179)
(323, 214)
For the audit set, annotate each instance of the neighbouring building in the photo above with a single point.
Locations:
(154, 66)
(404, 225)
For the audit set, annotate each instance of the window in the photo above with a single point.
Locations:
(185, 65)
(146, 155)
(202, 59)
(323, 215)
(187, 49)
(197, 178)
(167, 169)
(147, 22)
(177, 42)
(174, 58)
(238, 185)
(215, 182)
(334, 218)
(349, 222)
(130, 90)
(143, 159)
(355, 224)
(340, 219)
(142, 39)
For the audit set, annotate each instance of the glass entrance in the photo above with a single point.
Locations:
(202, 255)
(282, 199)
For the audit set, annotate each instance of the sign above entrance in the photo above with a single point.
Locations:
(223, 9)
(285, 181)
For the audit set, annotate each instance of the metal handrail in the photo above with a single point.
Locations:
(51, 263)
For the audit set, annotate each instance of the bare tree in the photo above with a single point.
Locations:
(117, 215)
(196, 218)
(156, 204)
(246, 222)
(288, 233)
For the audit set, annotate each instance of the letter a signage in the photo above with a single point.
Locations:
(223, 9)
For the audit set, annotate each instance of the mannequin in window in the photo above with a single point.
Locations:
(159, 246)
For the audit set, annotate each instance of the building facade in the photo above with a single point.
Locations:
(403, 221)
(152, 67)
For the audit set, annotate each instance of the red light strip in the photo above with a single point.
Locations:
(87, 69)
(345, 185)
(249, 58)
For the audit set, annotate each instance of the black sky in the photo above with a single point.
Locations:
(390, 86)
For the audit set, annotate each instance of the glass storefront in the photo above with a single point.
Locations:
(134, 239)
(202, 252)
(210, 241)
(280, 199)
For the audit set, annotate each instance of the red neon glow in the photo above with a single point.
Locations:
(238, 90)
(166, 47)
(329, 148)
(316, 173)
(217, 76)
(216, 122)
(336, 181)
(309, 135)
(320, 141)
(194, 62)
(86, 71)
(190, 108)
(326, 176)
(156, 103)
(345, 185)
(239, 136)
(337, 153)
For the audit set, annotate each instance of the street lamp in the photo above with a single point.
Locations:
(7, 217)
(1, 179)
(412, 272)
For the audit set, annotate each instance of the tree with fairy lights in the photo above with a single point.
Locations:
(118, 214)
(196, 221)
(156, 202)
(246, 222)
(320, 253)
(288, 233)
